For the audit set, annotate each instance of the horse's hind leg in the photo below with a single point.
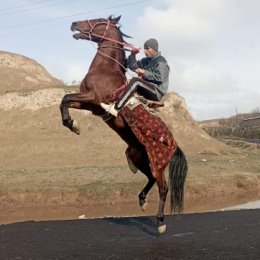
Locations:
(144, 192)
(163, 190)
(139, 158)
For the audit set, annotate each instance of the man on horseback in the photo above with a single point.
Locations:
(152, 81)
(148, 150)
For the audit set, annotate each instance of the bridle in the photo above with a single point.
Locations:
(103, 37)
(91, 34)
(92, 27)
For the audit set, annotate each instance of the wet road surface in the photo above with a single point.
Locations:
(215, 235)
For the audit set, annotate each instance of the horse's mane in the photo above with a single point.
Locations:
(122, 35)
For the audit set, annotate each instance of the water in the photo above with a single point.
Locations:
(253, 141)
(118, 210)
(249, 205)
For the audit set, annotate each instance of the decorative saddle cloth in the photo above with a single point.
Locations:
(152, 132)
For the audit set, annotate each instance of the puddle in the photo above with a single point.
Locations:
(248, 205)
(121, 210)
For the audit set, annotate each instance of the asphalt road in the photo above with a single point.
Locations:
(218, 235)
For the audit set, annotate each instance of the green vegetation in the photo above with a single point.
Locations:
(239, 132)
(230, 127)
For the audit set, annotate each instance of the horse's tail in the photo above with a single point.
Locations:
(178, 169)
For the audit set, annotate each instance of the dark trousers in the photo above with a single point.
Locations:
(140, 86)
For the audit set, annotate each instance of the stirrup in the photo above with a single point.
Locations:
(109, 108)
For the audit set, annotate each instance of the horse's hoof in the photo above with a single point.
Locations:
(144, 206)
(162, 229)
(75, 127)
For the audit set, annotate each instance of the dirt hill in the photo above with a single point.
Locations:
(34, 135)
(19, 72)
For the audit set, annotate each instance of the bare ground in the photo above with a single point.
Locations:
(47, 172)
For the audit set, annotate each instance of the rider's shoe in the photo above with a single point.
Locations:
(110, 108)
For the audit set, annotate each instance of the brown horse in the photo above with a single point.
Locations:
(107, 74)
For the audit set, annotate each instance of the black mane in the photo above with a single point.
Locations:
(112, 19)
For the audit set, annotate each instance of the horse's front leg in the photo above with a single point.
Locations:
(163, 190)
(77, 101)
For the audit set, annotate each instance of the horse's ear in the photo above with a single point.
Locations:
(116, 20)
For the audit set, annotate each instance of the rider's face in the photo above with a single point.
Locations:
(149, 52)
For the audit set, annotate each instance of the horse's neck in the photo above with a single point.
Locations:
(109, 58)
(106, 73)
(112, 53)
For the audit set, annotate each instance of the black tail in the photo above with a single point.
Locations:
(178, 169)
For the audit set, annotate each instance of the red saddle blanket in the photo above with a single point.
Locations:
(152, 132)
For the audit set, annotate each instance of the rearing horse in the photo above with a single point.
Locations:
(106, 75)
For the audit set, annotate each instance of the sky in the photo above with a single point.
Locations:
(212, 46)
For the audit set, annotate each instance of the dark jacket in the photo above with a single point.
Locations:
(156, 71)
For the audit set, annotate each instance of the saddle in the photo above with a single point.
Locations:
(149, 105)
(140, 115)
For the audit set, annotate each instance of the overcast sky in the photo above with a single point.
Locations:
(212, 46)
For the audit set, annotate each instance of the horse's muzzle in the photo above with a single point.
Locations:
(73, 25)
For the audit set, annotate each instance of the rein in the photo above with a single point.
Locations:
(111, 58)
(118, 42)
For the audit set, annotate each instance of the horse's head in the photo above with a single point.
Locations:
(93, 29)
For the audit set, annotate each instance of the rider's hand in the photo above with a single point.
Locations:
(140, 72)
(136, 50)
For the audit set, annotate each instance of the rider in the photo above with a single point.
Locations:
(153, 77)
